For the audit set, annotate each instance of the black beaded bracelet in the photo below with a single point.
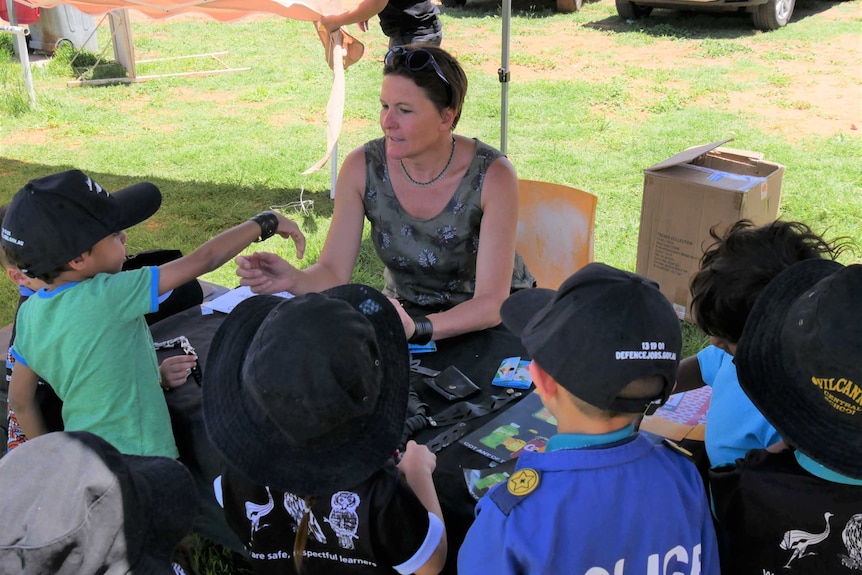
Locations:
(423, 331)
(268, 223)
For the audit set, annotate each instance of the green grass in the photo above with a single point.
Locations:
(224, 147)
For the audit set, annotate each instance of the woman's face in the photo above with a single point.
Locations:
(409, 119)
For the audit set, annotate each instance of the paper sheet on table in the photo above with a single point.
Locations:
(226, 302)
(683, 416)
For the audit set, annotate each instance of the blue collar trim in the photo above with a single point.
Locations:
(822, 472)
(580, 441)
(44, 293)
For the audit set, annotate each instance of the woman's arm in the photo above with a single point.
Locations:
(494, 261)
(264, 272)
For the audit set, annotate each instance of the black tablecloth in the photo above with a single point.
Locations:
(477, 355)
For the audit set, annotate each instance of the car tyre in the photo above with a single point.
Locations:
(631, 11)
(773, 15)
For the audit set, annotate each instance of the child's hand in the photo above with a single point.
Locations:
(287, 228)
(175, 370)
(417, 460)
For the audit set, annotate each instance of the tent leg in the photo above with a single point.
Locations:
(503, 74)
(21, 45)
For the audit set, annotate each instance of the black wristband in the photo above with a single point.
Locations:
(423, 331)
(268, 223)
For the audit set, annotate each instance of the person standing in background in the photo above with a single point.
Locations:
(403, 21)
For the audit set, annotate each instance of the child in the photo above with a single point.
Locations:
(75, 506)
(85, 331)
(601, 498)
(733, 272)
(800, 362)
(173, 370)
(49, 403)
(306, 400)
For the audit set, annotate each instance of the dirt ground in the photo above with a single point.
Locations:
(820, 91)
(820, 86)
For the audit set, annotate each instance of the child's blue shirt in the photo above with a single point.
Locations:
(733, 425)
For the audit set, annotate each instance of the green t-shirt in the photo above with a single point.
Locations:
(90, 341)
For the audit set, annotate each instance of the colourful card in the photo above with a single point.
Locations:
(513, 373)
(526, 426)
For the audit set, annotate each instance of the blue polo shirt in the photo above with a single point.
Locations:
(601, 505)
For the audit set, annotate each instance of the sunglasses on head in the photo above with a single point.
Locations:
(416, 61)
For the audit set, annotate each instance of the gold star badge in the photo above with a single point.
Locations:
(523, 482)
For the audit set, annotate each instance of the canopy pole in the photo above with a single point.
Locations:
(21, 45)
(503, 75)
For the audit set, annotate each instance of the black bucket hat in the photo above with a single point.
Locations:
(309, 394)
(54, 219)
(74, 505)
(601, 330)
(800, 361)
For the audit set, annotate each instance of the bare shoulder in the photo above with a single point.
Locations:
(351, 176)
(355, 158)
(502, 179)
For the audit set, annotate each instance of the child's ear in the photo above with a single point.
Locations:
(545, 384)
(17, 276)
(78, 263)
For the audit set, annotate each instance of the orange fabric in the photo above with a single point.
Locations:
(223, 10)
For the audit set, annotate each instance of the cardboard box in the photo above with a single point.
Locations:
(686, 195)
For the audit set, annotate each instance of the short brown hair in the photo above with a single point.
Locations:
(429, 82)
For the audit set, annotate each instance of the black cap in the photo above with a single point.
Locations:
(601, 330)
(53, 220)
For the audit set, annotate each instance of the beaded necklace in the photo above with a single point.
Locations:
(439, 176)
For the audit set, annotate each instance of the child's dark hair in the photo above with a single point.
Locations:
(302, 533)
(739, 264)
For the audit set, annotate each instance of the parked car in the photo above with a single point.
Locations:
(767, 14)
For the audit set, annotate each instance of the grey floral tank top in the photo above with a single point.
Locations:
(432, 262)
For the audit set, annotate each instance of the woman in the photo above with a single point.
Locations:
(443, 209)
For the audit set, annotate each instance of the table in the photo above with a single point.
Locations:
(478, 355)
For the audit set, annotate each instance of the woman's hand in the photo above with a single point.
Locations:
(264, 272)
(176, 369)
